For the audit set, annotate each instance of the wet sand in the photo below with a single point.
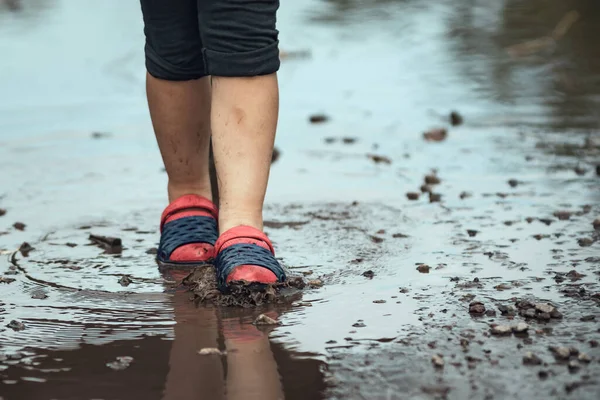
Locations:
(421, 292)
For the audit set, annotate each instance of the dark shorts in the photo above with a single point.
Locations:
(190, 39)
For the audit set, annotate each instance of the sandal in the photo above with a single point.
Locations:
(244, 253)
(189, 231)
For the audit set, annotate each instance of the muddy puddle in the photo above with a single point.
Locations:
(457, 253)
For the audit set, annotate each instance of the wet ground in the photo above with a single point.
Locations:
(421, 293)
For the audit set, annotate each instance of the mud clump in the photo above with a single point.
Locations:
(432, 179)
(111, 245)
(318, 118)
(368, 274)
(202, 282)
(377, 159)
(456, 119)
(413, 195)
(436, 135)
(424, 268)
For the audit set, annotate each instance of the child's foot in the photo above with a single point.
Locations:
(188, 231)
(244, 253)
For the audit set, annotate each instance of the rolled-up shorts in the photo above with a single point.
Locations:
(190, 39)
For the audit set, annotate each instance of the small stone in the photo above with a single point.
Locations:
(6, 280)
(25, 249)
(583, 357)
(529, 313)
(263, 319)
(563, 215)
(574, 365)
(437, 361)
(379, 159)
(593, 343)
(472, 232)
(379, 301)
(596, 224)
(464, 195)
(587, 318)
(543, 374)
(561, 353)
(2, 212)
(207, 351)
(507, 310)
(39, 296)
(585, 242)
(19, 226)
(152, 251)
(432, 179)
(315, 283)
(545, 307)
(521, 327)
(16, 325)
(359, 324)
(476, 308)
(531, 359)
(543, 316)
(490, 313)
(425, 188)
(501, 330)
(556, 314)
(412, 195)
(424, 268)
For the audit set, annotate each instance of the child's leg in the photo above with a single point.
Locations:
(178, 91)
(180, 114)
(242, 56)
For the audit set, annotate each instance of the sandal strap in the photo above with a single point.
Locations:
(187, 230)
(243, 232)
(185, 202)
(245, 254)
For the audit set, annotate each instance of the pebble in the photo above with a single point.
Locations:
(432, 180)
(574, 365)
(501, 330)
(263, 319)
(413, 195)
(521, 327)
(210, 351)
(596, 224)
(587, 318)
(476, 308)
(507, 310)
(125, 281)
(583, 357)
(531, 359)
(544, 307)
(16, 325)
(585, 242)
(315, 283)
(435, 197)
(561, 353)
(437, 361)
(529, 313)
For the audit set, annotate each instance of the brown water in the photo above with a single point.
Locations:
(384, 72)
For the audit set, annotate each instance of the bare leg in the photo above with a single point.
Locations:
(180, 112)
(244, 120)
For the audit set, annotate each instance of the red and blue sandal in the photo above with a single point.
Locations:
(244, 253)
(189, 231)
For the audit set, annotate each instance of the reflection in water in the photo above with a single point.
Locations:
(252, 367)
